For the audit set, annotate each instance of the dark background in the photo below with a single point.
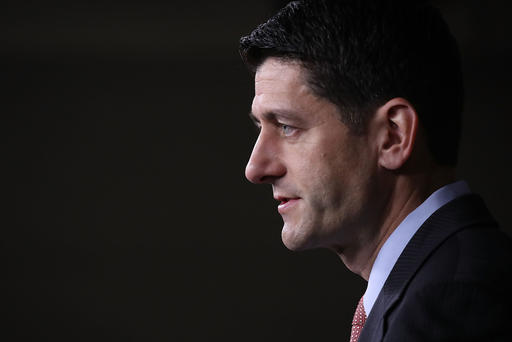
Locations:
(128, 216)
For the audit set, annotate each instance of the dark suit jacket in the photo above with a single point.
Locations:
(452, 282)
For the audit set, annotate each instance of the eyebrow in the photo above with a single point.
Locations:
(253, 117)
(275, 116)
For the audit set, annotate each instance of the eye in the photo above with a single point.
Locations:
(287, 130)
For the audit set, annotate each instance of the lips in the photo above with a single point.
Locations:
(286, 203)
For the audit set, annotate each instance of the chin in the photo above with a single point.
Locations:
(293, 245)
(296, 240)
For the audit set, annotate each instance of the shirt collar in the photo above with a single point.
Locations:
(396, 242)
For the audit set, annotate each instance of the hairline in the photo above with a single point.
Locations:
(306, 77)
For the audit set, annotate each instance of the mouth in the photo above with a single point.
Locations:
(285, 203)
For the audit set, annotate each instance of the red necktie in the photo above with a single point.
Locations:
(358, 321)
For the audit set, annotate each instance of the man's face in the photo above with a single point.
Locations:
(321, 173)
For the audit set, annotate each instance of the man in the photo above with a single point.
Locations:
(358, 104)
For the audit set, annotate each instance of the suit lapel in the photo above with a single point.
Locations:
(446, 221)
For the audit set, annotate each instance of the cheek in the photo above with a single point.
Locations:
(320, 177)
(340, 175)
(311, 167)
(322, 166)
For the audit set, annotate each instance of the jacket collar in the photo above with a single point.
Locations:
(456, 215)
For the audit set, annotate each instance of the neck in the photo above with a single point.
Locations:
(404, 194)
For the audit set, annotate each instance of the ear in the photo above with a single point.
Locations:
(396, 125)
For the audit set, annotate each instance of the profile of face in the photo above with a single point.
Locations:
(322, 174)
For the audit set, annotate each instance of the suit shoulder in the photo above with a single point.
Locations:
(477, 253)
(461, 292)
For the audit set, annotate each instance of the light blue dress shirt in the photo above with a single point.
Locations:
(396, 242)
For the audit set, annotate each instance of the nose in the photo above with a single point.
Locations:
(264, 165)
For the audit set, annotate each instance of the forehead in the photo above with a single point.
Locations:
(279, 72)
(280, 86)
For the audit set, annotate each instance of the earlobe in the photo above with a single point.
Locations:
(397, 128)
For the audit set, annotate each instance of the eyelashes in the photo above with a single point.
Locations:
(287, 130)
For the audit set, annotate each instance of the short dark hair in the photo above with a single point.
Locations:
(361, 53)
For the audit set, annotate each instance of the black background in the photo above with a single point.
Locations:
(125, 140)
